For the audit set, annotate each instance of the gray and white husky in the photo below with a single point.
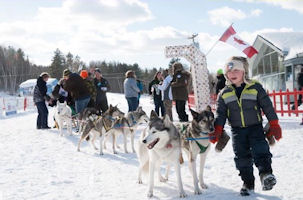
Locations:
(195, 141)
(63, 114)
(128, 125)
(159, 142)
(100, 126)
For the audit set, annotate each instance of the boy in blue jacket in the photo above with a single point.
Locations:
(241, 102)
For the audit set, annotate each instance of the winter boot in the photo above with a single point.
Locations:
(268, 181)
(247, 189)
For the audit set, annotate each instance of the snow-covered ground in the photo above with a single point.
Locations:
(39, 164)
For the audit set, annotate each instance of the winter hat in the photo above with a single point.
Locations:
(66, 72)
(44, 74)
(177, 67)
(84, 74)
(239, 63)
(98, 70)
(220, 71)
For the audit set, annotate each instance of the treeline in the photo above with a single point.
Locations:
(16, 68)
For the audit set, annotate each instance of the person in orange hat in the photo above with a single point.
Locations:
(90, 87)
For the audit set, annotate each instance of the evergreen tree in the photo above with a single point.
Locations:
(58, 65)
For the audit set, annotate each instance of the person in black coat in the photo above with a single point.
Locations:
(221, 81)
(300, 85)
(157, 96)
(76, 87)
(102, 86)
(40, 97)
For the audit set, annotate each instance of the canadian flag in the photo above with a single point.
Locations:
(230, 36)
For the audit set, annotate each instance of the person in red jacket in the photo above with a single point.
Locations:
(241, 102)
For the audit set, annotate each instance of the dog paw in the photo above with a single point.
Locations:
(198, 191)
(203, 186)
(182, 195)
(115, 152)
(78, 150)
(134, 151)
(101, 153)
(150, 194)
(140, 182)
(125, 151)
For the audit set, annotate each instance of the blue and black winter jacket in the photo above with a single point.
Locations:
(246, 110)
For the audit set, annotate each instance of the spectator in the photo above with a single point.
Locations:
(154, 90)
(300, 85)
(179, 87)
(102, 86)
(75, 85)
(40, 97)
(140, 86)
(131, 90)
(221, 81)
(90, 87)
(167, 96)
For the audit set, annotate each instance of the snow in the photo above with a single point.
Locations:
(32, 82)
(39, 164)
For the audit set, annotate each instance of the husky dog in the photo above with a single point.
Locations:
(100, 126)
(63, 114)
(159, 142)
(195, 141)
(128, 126)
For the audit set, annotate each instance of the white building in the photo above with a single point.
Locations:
(279, 60)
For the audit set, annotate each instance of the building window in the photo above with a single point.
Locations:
(267, 64)
(260, 67)
(274, 62)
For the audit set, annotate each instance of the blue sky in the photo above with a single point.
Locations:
(137, 31)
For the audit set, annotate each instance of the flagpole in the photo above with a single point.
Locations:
(215, 43)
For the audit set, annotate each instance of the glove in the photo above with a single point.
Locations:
(214, 136)
(274, 129)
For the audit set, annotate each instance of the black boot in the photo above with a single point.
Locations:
(247, 189)
(268, 181)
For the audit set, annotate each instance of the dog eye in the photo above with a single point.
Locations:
(154, 132)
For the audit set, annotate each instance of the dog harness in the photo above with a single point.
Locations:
(201, 147)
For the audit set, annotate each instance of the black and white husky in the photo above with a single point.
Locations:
(127, 126)
(63, 114)
(195, 141)
(99, 126)
(159, 142)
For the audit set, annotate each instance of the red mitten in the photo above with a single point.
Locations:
(275, 129)
(214, 136)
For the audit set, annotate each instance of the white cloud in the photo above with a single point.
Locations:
(256, 12)
(296, 5)
(225, 16)
(79, 27)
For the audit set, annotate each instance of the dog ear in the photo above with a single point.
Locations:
(153, 115)
(194, 114)
(167, 121)
(208, 108)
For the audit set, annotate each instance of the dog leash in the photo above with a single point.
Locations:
(201, 138)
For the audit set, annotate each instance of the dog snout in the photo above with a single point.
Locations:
(144, 141)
